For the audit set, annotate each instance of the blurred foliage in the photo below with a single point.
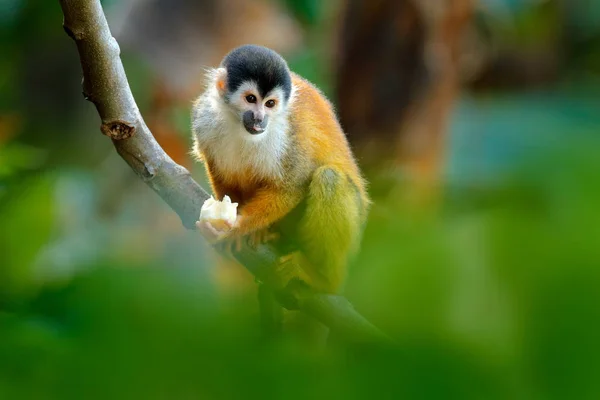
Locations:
(499, 300)
(307, 11)
(102, 294)
(565, 30)
(16, 157)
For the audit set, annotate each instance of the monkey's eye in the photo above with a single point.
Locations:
(251, 98)
(270, 104)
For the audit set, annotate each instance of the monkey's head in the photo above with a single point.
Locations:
(255, 83)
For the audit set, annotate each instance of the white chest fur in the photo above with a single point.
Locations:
(233, 150)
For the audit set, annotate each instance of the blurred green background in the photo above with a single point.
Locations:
(494, 292)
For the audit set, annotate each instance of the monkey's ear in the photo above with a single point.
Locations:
(221, 81)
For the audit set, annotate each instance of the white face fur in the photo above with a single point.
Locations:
(256, 111)
(219, 127)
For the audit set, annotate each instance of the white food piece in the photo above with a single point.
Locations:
(219, 213)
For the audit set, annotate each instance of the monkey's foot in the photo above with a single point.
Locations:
(289, 267)
(288, 258)
(261, 236)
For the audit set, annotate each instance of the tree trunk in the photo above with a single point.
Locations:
(398, 78)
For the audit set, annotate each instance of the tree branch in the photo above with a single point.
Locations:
(105, 84)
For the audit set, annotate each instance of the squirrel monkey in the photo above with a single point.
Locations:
(270, 141)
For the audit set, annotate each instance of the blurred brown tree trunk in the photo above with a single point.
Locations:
(397, 80)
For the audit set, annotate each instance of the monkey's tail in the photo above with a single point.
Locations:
(332, 225)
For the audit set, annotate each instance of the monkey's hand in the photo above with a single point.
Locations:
(217, 219)
(262, 236)
(231, 239)
(214, 233)
(221, 233)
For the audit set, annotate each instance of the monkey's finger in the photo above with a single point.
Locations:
(200, 225)
(205, 230)
(287, 258)
(210, 232)
(212, 229)
(269, 236)
(253, 239)
(262, 237)
(228, 247)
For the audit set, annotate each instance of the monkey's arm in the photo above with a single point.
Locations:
(217, 184)
(266, 207)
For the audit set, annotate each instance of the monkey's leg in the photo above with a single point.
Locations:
(277, 321)
(330, 231)
(330, 228)
(292, 270)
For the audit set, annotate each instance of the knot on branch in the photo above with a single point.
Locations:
(75, 35)
(118, 130)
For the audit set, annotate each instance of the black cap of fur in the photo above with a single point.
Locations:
(259, 64)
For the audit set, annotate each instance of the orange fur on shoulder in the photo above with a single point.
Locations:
(318, 130)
